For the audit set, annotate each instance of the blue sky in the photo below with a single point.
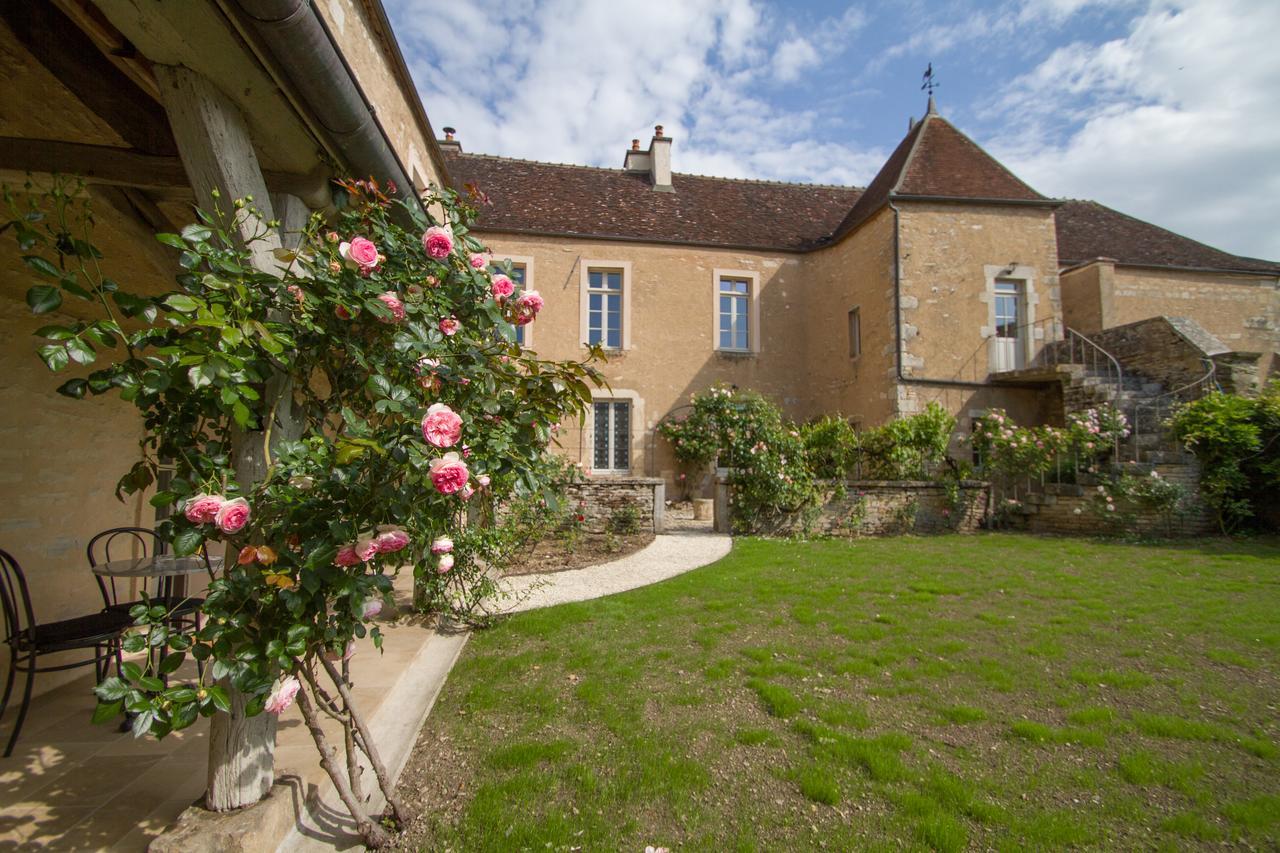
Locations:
(1166, 110)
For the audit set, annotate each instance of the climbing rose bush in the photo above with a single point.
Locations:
(376, 376)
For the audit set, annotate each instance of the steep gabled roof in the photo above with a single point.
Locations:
(934, 160)
(551, 199)
(1088, 230)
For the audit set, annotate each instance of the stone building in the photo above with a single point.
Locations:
(942, 280)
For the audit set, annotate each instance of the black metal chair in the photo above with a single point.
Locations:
(28, 640)
(133, 542)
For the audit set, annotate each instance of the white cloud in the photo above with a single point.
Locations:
(1175, 123)
(516, 80)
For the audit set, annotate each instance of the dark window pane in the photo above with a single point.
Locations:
(593, 278)
(621, 436)
(615, 281)
(615, 339)
(601, 449)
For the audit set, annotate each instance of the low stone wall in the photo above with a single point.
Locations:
(600, 498)
(889, 508)
(1072, 510)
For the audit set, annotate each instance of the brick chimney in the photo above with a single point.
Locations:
(655, 162)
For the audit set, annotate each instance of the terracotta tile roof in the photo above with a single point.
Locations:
(1088, 230)
(549, 198)
(936, 160)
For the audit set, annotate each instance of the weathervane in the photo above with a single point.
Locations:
(929, 83)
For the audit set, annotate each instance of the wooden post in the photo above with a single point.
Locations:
(217, 153)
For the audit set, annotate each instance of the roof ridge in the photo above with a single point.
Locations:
(506, 159)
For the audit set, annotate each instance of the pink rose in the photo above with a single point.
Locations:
(449, 326)
(296, 292)
(343, 314)
(390, 541)
(360, 253)
(445, 563)
(467, 491)
(502, 287)
(449, 474)
(426, 365)
(282, 695)
(483, 480)
(232, 516)
(441, 426)
(366, 549)
(393, 303)
(478, 261)
(203, 508)
(347, 556)
(438, 241)
(442, 545)
(372, 607)
(528, 304)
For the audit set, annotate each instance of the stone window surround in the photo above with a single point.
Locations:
(584, 281)
(525, 261)
(854, 313)
(753, 310)
(1011, 272)
(638, 427)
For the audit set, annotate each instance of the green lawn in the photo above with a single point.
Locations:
(993, 691)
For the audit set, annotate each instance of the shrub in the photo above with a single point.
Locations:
(832, 447)
(1237, 441)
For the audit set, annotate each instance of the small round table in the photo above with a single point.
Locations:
(162, 566)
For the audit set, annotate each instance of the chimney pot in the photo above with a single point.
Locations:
(635, 145)
(448, 134)
(657, 130)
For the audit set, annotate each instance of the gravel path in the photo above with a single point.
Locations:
(667, 556)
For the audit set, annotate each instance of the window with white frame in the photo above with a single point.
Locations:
(735, 313)
(604, 307)
(611, 437)
(855, 332)
(518, 276)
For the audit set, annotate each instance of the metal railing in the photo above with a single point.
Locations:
(1147, 417)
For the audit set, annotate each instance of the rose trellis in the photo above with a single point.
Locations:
(330, 421)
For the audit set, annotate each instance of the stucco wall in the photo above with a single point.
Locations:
(856, 272)
(671, 355)
(370, 60)
(1242, 311)
(60, 458)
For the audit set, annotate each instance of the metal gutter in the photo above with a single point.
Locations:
(304, 52)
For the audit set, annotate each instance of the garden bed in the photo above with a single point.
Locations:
(588, 549)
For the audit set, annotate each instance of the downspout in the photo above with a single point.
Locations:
(303, 50)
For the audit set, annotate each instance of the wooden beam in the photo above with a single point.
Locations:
(118, 50)
(103, 164)
(71, 56)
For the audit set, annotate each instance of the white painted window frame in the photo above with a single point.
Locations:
(584, 282)
(753, 310)
(638, 430)
(1026, 275)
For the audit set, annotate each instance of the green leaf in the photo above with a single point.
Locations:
(55, 333)
(171, 662)
(55, 356)
(111, 689)
(194, 233)
(185, 715)
(81, 351)
(151, 684)
(201, 375)
(74, 388)
(44, 298)
(42, 266)
(107, 711)
(187, 542)
(220, 700)
(171, 240)
(142, 723)
(180, 302)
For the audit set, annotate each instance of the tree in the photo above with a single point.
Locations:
(329, 424)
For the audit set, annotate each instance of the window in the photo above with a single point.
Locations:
(1007, 293)
(735, 311)
(855, 332)
(604, 308)
(518, 276)
(735, 302)
(611, 424)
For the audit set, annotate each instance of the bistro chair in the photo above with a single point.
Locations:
(28, 640)
(123, 543)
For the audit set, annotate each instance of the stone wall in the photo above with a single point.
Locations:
(598, 499)
(889, 508)
(1071, 510)
(1168, 350)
